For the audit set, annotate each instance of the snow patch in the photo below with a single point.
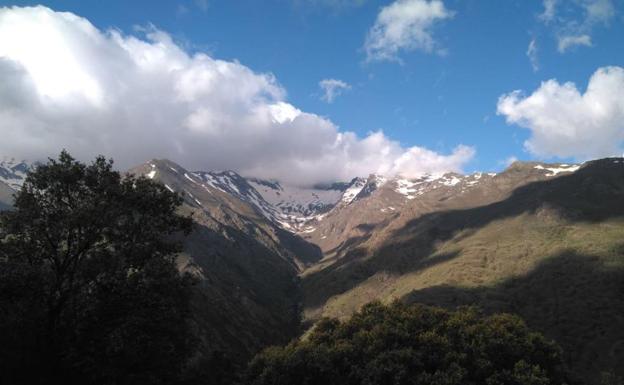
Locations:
(351, 192)
(450, 180)
(557, 170)
(14, 172)
(189, 178)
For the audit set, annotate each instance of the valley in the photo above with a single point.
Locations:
(544, 241)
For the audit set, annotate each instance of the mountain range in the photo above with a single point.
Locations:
(545, 241)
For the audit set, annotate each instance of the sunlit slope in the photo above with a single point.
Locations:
(550, 250)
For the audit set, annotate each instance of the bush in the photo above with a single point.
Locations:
(401, 344)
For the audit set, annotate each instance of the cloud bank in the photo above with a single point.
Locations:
(567, 123)
(404, 25)
(66, 84)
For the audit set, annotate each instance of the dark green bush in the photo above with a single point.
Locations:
(401, 344)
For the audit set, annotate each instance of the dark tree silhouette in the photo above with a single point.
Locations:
(401, 344)
(89, 292)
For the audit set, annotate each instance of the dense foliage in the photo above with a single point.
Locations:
(89, 292)
(401, 344)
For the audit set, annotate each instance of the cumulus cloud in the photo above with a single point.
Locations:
(567, 123)
(404, 25)
(573, 23)
(66, 84)
(332, 88)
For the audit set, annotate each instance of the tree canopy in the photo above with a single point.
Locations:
(418, 344)
(89, 291)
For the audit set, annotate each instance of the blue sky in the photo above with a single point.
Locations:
(436, 99)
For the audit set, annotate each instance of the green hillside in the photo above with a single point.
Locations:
(553, 252)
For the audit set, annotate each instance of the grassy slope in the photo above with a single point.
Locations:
(552, 252)
(503, 249)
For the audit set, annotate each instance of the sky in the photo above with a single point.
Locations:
(309, 91)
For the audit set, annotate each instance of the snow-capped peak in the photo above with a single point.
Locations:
(356, 186)
(13, 172)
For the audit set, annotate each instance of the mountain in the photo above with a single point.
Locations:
(545, 241)
(6, 196)
(298, 206)
(13, 172)
(290, 207)
(247, 267)
(12, 175)
(542, 241)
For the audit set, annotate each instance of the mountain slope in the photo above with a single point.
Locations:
(290, 207)
(6, 196)
(247, 266)
(13, 172)
(543, 241)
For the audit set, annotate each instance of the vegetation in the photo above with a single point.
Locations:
(551, 252)
(89, 292)
(401, 344)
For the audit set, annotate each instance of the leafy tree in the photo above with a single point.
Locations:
(401, 344)
(89, 291)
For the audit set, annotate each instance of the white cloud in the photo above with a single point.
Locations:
(549, 10)
(66, 84)
(404, 25)
(574, 23)
(599, 11)
(332, 88)
(567, 123)
(532, 54)
(566, 42)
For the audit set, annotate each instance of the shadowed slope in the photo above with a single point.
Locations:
(247, 267)
(576, 219)
(532, 222)
(578, 300)
(6, 196)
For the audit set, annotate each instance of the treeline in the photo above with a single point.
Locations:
(90, 294)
